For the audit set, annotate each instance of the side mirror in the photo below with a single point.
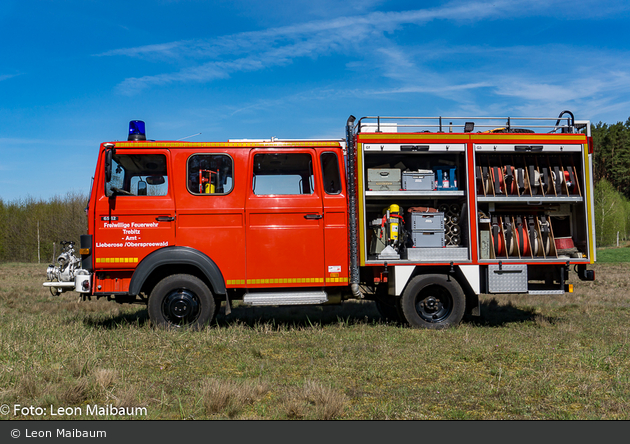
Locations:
(108, 165)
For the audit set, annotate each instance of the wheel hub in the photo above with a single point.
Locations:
(181, 306)
(431, 304)
(434, 304)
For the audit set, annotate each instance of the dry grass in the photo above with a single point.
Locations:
(314, 401)
(528, 357)
(74, 393)
(230, 397)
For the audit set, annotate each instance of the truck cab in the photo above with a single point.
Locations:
(183, 226)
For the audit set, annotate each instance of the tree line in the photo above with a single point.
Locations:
(31, 229)
(611, 144)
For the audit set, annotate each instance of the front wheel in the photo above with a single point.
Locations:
(434, 301)
(181, 300)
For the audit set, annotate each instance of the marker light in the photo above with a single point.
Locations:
(136, 130)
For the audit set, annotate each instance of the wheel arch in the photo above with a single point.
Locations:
(176, 260)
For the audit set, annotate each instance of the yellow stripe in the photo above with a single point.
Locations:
(578, 138)
(359, 173)
(330, 280)
(589, 209)
(116, 260)
(403, 137)
(311, 280)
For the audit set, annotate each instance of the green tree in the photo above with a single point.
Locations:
(612, 154)
(610, 213)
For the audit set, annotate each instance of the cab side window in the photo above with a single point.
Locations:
(283, 174)
(138, 175)
(330, 173)
(210, 174)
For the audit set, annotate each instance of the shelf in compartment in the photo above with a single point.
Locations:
(414, 194)
(533, 200)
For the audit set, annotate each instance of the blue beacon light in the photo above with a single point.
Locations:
(136, 130)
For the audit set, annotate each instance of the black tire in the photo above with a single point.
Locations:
(389, 309)
(181, 300)
(433, 301)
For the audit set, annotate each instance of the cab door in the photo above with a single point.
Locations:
(135, 213)
(284, 217)
(335, 218)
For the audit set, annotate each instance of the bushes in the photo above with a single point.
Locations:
(59, 219)
(612, 177)
(611, 214)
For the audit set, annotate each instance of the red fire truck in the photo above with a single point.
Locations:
(421, 215)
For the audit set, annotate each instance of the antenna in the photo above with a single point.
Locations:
(188, 137)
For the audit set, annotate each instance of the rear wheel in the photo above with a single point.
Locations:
(181, 300)
(434, 301)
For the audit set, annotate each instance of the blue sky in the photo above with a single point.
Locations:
(73, 73)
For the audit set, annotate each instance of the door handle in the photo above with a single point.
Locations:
(165, 218)
(313, 216)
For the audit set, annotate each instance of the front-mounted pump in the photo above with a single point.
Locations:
(67, 274)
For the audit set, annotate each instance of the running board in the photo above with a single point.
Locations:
(546, 292)
(288, 298)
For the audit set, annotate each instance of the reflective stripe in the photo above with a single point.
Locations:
(116, 260)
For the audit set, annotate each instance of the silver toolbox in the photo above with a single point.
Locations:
(428, 238)
(421, 180)
(437, 254)
(383, 179)
(507, 278)
(426, 221)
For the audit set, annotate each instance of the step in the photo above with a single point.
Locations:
(286, 298)
(546, 292)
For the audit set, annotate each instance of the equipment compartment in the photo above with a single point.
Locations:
(427, 217)
(507, 278)
(528, 197)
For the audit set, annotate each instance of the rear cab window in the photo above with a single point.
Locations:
(283, 174)
(210, 174)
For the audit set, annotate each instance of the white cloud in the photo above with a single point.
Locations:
(255, 50)
(548, 77)
(7, 76)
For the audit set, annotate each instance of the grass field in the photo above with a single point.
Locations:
(528, 357)
(614, 255)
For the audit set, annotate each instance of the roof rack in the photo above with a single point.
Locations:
(468, 124)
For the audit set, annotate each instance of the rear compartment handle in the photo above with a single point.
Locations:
(414, 147)
(506, 271)
(534, 148)
(165, 218)
(313, 216)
